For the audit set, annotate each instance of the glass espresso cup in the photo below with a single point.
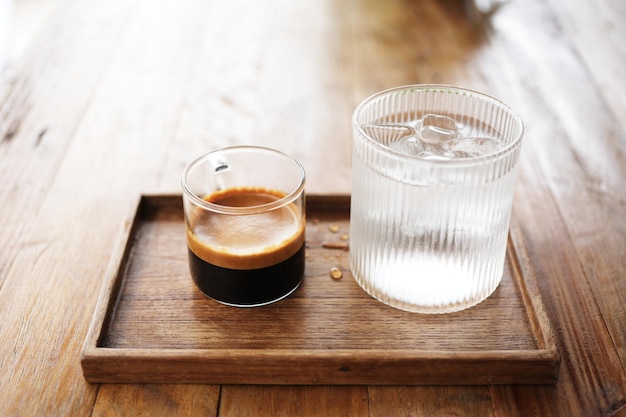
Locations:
(245, 221)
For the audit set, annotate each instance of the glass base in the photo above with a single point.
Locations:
(442, 308)
(259, 304)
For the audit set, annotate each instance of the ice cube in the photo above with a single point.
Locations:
(388, 134)
(471, 147)
(408, 145)
(436, 129)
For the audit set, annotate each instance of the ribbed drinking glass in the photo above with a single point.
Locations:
(434, 170)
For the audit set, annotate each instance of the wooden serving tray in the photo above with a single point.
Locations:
(151, 324)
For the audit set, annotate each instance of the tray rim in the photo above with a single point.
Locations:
(545, 357)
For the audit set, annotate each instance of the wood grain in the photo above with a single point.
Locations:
(114, 98)
(430, 401)
(603, 187)
(253, 401)
(157, 400)
(70, 179)
(583, 230)
(38, 113)
(43, 304)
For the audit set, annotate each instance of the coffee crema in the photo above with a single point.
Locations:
(246, 259)
(248, 241)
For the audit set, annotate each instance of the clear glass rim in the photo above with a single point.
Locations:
(440, 88)
(218, 208)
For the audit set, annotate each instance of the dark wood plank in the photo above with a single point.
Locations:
(157, 400)
(253, 401)
(600, 224)
(430, 401)
(569, 193)
(63, 193)
(42, 320)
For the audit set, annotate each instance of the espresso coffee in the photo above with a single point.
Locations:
(246, 259)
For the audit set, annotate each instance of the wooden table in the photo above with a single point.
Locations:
(114, 98)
